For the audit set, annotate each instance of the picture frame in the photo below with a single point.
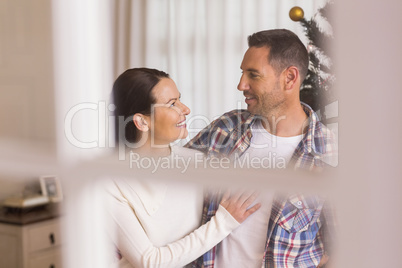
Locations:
(51, 187)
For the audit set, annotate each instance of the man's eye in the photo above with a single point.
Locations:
(173, 104)
(253, 75)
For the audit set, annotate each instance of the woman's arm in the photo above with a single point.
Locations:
(135, 246)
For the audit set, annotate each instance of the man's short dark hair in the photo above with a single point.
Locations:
(286, 49)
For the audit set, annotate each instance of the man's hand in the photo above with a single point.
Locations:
(323, 261)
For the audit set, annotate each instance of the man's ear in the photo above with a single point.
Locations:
(140, 122)
(292, 77)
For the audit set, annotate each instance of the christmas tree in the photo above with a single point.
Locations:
(316, 89)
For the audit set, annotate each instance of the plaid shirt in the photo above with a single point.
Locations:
(300, 227)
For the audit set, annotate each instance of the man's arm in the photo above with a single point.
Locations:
(220, 137)
(330, 236)
(201, 141)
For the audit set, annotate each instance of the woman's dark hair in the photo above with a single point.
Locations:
(131, 94)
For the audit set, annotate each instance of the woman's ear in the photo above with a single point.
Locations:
(140, 122)
(292, 77)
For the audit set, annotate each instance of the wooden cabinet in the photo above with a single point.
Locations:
(31, 245)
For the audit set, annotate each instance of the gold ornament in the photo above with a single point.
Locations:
(296, 13)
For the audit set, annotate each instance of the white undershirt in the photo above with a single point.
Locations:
(245, 246)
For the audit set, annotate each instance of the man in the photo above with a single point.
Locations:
(296, 228)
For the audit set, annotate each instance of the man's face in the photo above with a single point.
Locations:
(259, 82)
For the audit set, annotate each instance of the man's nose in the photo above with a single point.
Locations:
(243, 84)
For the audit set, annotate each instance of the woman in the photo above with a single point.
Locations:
(156, 224)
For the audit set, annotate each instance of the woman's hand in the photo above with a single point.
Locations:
(238, 204)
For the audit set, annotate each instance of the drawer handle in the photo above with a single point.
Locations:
(52, 240)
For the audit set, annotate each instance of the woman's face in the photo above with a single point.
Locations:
(168, 115)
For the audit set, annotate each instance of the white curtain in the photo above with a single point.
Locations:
(200, 43)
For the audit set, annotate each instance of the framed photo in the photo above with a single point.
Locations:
(50, 186)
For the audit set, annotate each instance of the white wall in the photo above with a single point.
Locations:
(26, 87)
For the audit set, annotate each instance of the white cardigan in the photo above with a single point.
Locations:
(154, 224)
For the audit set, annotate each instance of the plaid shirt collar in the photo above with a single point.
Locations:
(312, 143)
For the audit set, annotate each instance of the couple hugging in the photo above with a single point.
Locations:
(157, 224)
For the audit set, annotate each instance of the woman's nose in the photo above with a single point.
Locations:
(184, 109)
